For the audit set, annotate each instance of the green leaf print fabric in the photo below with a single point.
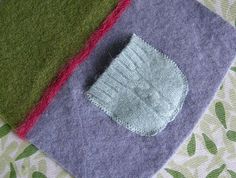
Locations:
(210, 151)
(192, 159)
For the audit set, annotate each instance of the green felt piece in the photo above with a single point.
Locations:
(36, 39)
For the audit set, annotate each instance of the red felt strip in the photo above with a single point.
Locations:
(70, 67)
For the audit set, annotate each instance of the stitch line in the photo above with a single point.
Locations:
(113, 65)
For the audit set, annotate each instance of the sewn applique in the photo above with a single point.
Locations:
(142, 90)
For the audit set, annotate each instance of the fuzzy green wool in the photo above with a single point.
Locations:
(37, 38)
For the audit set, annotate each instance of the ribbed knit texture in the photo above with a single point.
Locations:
(142, 90)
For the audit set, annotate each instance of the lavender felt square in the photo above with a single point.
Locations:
(86, 142)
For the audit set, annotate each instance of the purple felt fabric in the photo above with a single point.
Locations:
(86, 142)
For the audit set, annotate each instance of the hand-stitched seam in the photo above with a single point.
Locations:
(94, 99)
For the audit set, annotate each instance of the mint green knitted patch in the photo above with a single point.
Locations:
(142, 90)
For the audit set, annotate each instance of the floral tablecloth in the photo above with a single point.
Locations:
(210, 151)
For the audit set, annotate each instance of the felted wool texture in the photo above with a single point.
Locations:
(142, 90)
(37, 38)
(86, 142)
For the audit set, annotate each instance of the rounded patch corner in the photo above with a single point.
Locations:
(142, 90)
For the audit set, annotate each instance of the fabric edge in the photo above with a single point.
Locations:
(134, 38)
(67, 71)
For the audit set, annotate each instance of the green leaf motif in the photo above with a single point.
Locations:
(37, 174)
(215, 173)
(28, 151)
(232, 173)
(12, 171)
(221, 87)
(231, 135)
(210, 145)
(191, 148)
(174, 173)
(234, 68)
(4, 130)
(220, 113)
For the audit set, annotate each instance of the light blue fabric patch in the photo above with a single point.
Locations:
(142, 90)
